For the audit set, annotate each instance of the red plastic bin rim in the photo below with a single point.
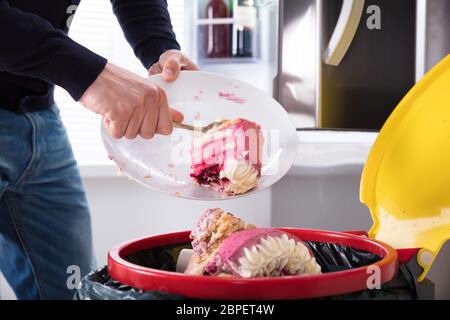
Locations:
(326, 284)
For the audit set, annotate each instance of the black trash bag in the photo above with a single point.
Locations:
(98, 285)
(333, 257)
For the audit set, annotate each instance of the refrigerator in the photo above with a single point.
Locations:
(346, 64)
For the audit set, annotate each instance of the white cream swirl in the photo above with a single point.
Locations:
(277, 256)
(242, 176)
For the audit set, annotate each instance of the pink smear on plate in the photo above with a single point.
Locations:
(231, 97)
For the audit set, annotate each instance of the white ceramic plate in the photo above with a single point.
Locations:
(163, 163)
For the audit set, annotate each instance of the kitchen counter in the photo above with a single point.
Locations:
(331, 151)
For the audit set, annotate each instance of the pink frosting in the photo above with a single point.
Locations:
(239, 139)
(232, 248)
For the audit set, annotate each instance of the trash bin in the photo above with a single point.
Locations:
(341, 255)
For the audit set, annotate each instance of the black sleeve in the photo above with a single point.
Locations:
(147, 27)
(30, 46)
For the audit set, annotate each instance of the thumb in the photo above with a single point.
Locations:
(171, 69)
(177, 116)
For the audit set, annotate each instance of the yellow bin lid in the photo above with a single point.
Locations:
(406, 179)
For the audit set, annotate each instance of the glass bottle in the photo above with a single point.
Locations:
(244, 31)
(217, 36)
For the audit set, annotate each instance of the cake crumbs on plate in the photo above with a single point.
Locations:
(231, 97)
(147, 177)
(177, 194)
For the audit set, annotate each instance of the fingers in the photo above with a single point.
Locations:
(189, 65)
(150, 118)
(172, 68)
(155, 69)
(175, 64)
(117, 128)
(135, 123)
(177, 116)
(130, 105)
(158, 117)
(147, 130)
(165, 122)
(170, 64)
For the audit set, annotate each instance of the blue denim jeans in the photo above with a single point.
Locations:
(45, 227)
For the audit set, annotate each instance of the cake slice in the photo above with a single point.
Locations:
(228, 157)
(213, 226)
(224, 245)
(262, 252)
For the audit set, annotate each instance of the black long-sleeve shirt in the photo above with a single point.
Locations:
(36, 53)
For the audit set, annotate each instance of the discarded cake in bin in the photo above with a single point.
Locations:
(228, 157)
(225, 245)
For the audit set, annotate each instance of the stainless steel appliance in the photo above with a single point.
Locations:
(335, 72)
(347, 63)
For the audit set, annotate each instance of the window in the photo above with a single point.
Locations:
(96, 27)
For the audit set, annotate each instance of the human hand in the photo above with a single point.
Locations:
(170, 64)
(130, 105)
